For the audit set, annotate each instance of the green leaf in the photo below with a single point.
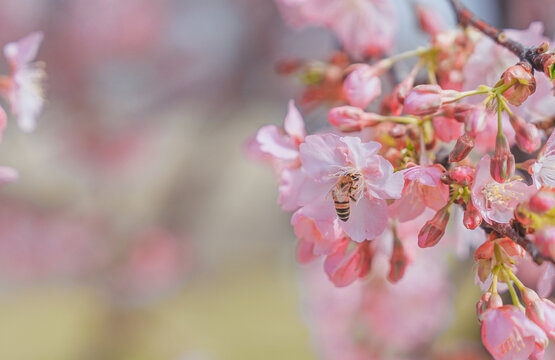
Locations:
(552, 72)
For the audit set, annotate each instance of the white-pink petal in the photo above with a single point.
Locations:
(367, 221)
(294, 123)
(24, 50)
(273, 141)
(322, 156)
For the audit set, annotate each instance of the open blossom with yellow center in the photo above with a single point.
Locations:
(495, 201)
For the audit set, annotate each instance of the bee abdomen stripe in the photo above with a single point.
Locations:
(342, 211)
(342, 202)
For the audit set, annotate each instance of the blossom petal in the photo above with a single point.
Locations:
(24, 50)
(321, 156)
(367, 221)
(360, 153)
(294, 124)
(274, 142)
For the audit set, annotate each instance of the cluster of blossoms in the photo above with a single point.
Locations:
(22, 89)
(423, 154)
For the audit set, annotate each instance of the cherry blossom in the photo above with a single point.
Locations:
(495, 201)
(327, 157)
(508, 334)
(423, 189)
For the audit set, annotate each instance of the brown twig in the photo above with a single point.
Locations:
(510, 232)
(533, 55)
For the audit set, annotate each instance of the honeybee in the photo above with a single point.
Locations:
(345, 190)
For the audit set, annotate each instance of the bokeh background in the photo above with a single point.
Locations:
(138, 228)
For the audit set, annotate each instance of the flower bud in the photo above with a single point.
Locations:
(502, 166)
(527, 135)
(362, 85)
(542, 201)
(540, 311)
(398, 262)
(475, 121)
(472, 216)
(423, 100)
(463, 147)
(348, 261)
(433, 230)
(524, 83)
(350, 118)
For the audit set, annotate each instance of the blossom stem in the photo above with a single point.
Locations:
(512, 291)
(420, 51)
(493, 286)
(468, 93)
(398, 119)
(513, 277)
(499, 117)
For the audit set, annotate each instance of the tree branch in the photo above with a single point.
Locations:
(533, 55)
(510, 232)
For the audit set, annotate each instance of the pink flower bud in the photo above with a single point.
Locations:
(423, 100)
(524, 83)
(502, 165)
(526, 134)
(463, 147)
(362, 85)
(472, 216)
(542, 201)
(348, 261)
(350, 118)
(433, 230)
(540, 311)
(482, 304)
(475, 121)
(463, 175)
(397, 263)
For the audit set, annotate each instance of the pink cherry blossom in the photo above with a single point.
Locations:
(423, 189)
(508, 334)
(495, 201)
(362, 86)
(25, 92)
(317, 234)
(280, 147)
(348, 261)
(543, 170)
(327, 157)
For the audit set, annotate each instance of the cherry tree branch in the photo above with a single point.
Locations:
(533, 55)
(510, 232)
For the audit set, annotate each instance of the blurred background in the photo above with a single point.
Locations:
(138, 228)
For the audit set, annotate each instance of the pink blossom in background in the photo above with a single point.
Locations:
(423, 189)
(364, 27)
(495, 201)
(326, 157)
(39, 245)
(155, 263)
(508, 334)
(24, 89)
(447, 129)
